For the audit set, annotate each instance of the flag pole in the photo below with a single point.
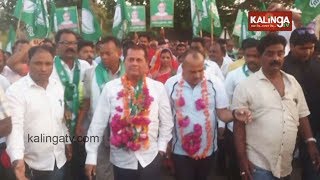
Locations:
(212, 31)
(18, 25)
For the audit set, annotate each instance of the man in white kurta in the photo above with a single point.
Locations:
(143, 163)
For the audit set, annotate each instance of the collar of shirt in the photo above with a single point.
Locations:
(261, 75)
(30, 82)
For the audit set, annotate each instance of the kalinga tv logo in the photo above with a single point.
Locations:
(270, 21)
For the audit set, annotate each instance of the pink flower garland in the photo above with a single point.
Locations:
(131, 131)
(191, 142)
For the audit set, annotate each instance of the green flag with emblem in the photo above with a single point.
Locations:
(34, 14)
(120, 20)
(90, 28)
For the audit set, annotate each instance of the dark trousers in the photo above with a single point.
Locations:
(308, 172)
(5, 173)
(150, 172)
(56, 174)
(75, 168)
(231, 157)
(191, 169)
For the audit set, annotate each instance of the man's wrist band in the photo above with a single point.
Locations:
(310, 140)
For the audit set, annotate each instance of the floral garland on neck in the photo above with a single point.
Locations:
(191, 142)
(131, 130)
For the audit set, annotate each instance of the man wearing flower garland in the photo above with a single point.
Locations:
(195, 98)
(110, 67)
(138, 111)
(69, 71)
(279, 109)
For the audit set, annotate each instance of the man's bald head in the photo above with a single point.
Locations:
(193, 67)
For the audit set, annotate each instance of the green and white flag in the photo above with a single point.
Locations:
(210, 14)
(244, 32)
(53, 16)
(90, 28)
(162, 13)
(34, 14)
(11, 39)
(196, 11)
(67, 18)
(237, 24)
(120, 20)
(137, 17)
(310, 9)
(203, 13)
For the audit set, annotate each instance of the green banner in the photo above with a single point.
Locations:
(137, 18)
(162, 13)
(67, 18)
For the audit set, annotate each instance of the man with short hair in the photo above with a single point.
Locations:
(196, 98)
(69, 71)
(86, 52)
(180, 49)
(17, 63)
(138, 111)
(110, 67)
(211, 67)
(37, 105)
(301, 64)
(265, 146)
(217, 54)
(144, 39)
(233, 78)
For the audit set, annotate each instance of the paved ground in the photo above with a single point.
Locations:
(295, 174)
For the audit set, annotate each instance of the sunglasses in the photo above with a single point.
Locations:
(304, 31)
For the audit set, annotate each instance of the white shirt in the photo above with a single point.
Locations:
(4, 82)
(10, 75)
(37, 112)
(233, 79)
(271, 136)
(211, 67)
(84, 65)
(159, 133)
(225, 65)
(4, 110)
(217, 99)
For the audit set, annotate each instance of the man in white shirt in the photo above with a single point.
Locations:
(233, 79)
(110, 67)
(265, 146)
(39, 134)
(17, 63)
(86, 52)
(217, 53)
(138, 111)
(196, 98)
(211, 67)
(69, 71)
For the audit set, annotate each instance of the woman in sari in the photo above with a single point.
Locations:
(163, 66)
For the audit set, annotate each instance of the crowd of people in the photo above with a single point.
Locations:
(72, 109)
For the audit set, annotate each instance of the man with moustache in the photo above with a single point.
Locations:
(265, 146)
(69, 71)
(301, 64)
(37, 106)
(137, 109)
(110, 67)
(86, 52)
